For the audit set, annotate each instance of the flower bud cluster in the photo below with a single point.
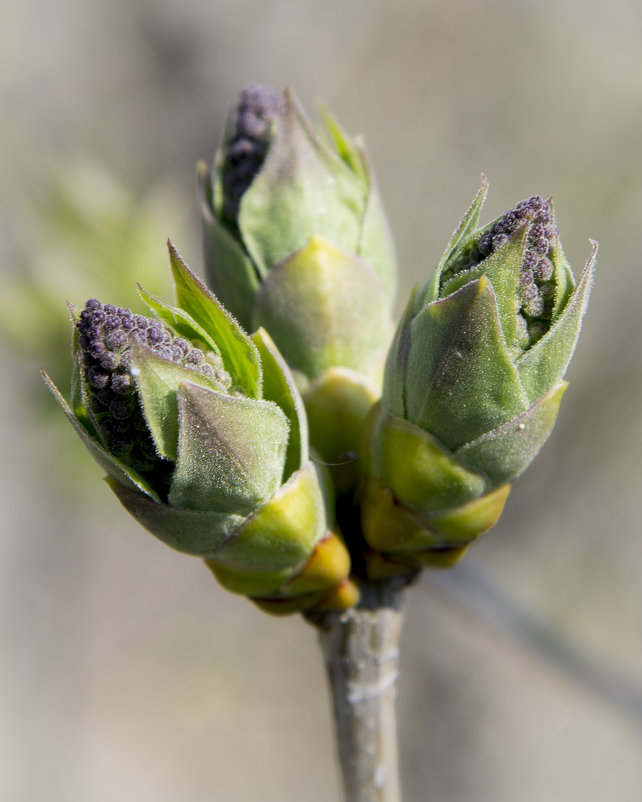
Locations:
(105, 336)
(205, 431)
(467, 400)
(247, 147)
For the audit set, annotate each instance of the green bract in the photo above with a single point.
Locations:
(296, 242)
(473, 381)
(203, 437)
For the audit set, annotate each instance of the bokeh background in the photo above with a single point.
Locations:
(125, 672)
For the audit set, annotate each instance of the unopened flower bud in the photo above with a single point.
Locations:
(473, 381)
(296, 242)
(203, 437)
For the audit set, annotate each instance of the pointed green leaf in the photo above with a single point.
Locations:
(229, 270)
(157, 381)
(179, 322)
(543, 365)
(563, 275)
(507, 451)
(279, 387)
(205, 188)
(76, 390)
(502, 268)
(231, 451)
(376, 244)
(564, 279)
(302, 189)
(325, 308)
(195, 532)
(394, 391)
(240, 357)
(112, 466)
(430, 290)
(460, 380)
(343, 145)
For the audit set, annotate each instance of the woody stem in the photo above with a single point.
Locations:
(361, 652)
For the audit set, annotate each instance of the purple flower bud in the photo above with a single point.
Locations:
(95, 348)
(97, 378)
(121, 408)
(194, 357)
(116, 340)
(155, 335)
(121, 383)
(485, 244)
(544, 270)
(109, 361)
(181, 342)
(258, 107)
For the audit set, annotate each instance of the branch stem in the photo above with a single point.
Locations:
(361, 652)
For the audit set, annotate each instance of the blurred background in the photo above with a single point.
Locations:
(125, 672)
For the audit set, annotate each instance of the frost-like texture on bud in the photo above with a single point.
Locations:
(296, 242)
(203, 437)
(473, 382)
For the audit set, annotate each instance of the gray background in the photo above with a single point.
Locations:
(125, 672)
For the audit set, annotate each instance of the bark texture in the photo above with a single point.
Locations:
(361, 651)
